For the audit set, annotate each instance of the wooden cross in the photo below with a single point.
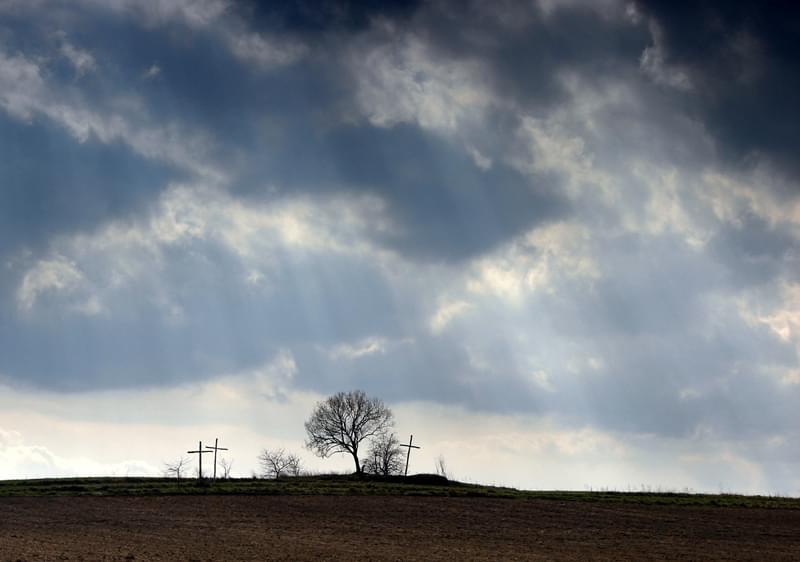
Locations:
(410, 446)
(215, 448)
(200, 451)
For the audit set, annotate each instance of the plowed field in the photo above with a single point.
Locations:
(385, 528)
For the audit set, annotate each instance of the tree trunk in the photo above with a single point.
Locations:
(358, 464)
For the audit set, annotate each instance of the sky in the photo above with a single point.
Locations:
(559, 238)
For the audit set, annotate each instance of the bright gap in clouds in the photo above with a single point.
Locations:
(559, 239)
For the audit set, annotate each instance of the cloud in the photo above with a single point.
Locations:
(446, 313)
(422, 178)
(573, 217)
(313, 18)
(523, 451)
(264, 51)
(274, 261)
(367, 346)
(20, 81)
(652, 63)
(153, 71)
(402, 80)
(83, 61)
(195, 14)
(57, 275)
(22, 460)
(737, 56)
(26, 94)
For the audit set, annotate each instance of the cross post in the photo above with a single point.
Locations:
(200, 451)
(215, 448)
(410, 446)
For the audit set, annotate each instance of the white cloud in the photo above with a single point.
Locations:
(542, 380)
(217, 18)
(731, 197)
(25, 94)
(53, 275)
(86, 272)
(538, 453)
(350, 351)
(626, 178)
(791, 377)
(535, 261)
(653, 65)
(481, 161)
(81, 60)
(19, 459)
(50, 434)
(782, 315)
(446, 312)
(263, 50)
(549, 146)
(88, 434)
(193, 13)
(401, 80)
(152, 72)
(21, 83)
(273, 381)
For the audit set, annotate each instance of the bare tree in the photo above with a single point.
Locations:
(295, 467)
(340, 423)
(226, 465)
(177, 468)
(385, 456)
(441, 466)
(277, 462)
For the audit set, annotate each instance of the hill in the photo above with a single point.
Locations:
(429, 485)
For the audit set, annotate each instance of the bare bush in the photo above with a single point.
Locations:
(295, 466)
(176, 468)
(226, 465)
(385, 457)
(277, 462)
(441, 466)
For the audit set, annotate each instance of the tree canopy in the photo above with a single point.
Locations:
(341, 422)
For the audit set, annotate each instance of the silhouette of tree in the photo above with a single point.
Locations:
(226, 466)
(385, 456)
(441, 466)
(341, 422)
(295, 466)
(177, 468)
(276, 463)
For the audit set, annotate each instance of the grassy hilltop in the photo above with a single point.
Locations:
(351, 485)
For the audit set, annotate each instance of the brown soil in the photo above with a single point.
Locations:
(385, 528)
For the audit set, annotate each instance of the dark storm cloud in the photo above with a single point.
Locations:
(561, 212)
(296, 129)
(528, 51)
(743, 61)
(312, 17)
(274, 127)
(419, 367)
(694, 379)
(284, 127)
(446, 206)
(53, 185)
(525, 48)
(209, 321)
(672, 357)
(755, 252)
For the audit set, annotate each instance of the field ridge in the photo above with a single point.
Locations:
(352, 485)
